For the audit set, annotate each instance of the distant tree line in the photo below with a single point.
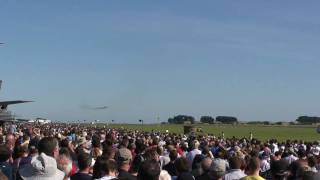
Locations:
(226, 119)
(259, 122)
(181, 119)
(207, 119)
(308, 119)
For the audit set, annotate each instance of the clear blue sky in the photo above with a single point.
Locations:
(256, 60)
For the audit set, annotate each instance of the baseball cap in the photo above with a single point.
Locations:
(42, 167)
(218, 166)
(123, 155)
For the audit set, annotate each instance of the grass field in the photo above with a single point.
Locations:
(282, 133)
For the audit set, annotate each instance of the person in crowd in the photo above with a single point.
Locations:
(92, 149)
(10, 141)
(96, 147)
(205, 166)
(217, 169)
(149, 170)
(170, 166)
(312, 162)
(84, 165)
(279, 169)
(265, 164)
(298, 166)
(109, 168)
(5, 166)
(44, 165)
(253, 170)
(219, 159)
(235, 171)
(183, 169)
(124, 159)
(64, 162)
(193, 152)
(196, 165)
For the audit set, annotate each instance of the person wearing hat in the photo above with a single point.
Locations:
(44, 165)
(217, 169)
(82, 145)
(124, 158)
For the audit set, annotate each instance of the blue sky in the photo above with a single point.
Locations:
(256, 60)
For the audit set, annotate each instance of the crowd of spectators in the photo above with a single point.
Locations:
(60, 151)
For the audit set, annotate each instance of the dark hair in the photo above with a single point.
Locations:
(173, 155)
(96, 141)
(65, 151)
(140, 146)
(18, 151)
(301, 153)
(47, 145)
(64, 143)
(4, 153)
(279, 169)
(278, 153)
(84, 161)
(181, 165)
(312, 161)
(196, 163)
(150, 154)
(109, 165)
(124, 143)
(149, 170)
(108, 151)
(33, 150)
(136, 163)
(97, 168)
(235, 162)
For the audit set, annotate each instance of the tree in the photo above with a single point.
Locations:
(207, 119)
(308, 120)
(226, 119)
(181, 119)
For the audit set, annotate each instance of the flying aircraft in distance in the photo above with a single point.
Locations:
(94, 107)
(101, 107)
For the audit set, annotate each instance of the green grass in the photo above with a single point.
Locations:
(282, 133)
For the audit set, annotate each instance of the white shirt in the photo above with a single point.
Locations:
(191, 155)
(291, 158)
(107, 178)
(264, 165)
(234, 174)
